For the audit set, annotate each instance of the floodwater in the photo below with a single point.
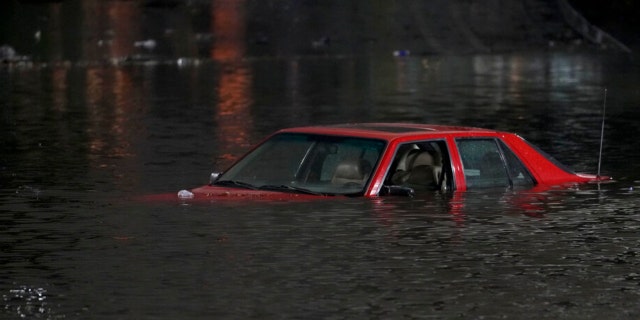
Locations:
(81, 139)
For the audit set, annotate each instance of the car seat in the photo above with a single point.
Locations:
(423, 171)
(351, 170)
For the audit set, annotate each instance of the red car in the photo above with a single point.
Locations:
(377, 159)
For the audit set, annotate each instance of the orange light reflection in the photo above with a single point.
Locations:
(233, 117)
(124, 20)
(114, 95)
(228, 28)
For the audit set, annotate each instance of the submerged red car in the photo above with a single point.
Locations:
(377, 159)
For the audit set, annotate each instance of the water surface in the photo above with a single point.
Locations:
(80, 139)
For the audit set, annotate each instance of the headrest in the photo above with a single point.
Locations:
(420, 158)
(352, 169)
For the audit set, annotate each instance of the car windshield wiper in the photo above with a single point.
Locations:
(235, 183)
(284, 187)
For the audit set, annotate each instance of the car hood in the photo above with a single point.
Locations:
(209, 193)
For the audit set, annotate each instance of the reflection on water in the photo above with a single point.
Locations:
(233, 120)
(29, 303)
(78, 139)
(229, 26)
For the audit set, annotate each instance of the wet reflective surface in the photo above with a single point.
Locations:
(80, 140)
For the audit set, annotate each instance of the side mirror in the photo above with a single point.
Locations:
(214, 177)
(397, 191)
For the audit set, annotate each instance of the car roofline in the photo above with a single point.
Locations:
(387, 131)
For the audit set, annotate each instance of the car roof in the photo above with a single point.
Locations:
(388, 131)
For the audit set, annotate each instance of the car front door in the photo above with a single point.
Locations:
(419, 166)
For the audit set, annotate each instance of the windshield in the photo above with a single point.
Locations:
(307, 163)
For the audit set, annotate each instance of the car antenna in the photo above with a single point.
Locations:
(604, 108)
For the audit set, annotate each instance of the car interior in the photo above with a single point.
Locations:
(420, 166)
(352, 170)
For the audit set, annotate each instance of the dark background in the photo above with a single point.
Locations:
(311, 27)
(616, 17)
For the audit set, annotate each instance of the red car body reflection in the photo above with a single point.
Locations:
(378, 159)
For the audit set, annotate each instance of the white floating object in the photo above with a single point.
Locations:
(185, 194)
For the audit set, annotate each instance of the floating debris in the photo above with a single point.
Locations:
(185, 194)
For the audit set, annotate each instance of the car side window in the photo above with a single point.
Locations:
(489, 163)
(518, 173)
(421, 166)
